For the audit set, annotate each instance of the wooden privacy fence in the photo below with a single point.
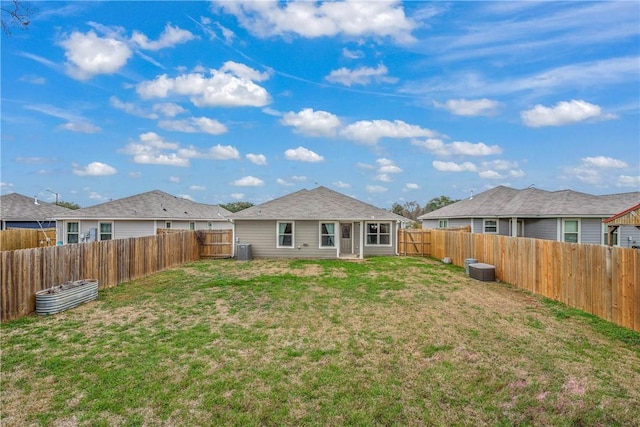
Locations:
(414, 242)
(417, 242)
(601, 280)
(24, 272)
(25, 238)
(215, 243)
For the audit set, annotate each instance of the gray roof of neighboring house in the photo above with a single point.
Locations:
(508, 202)
(16, 207)
(150, 206)
(320, 203)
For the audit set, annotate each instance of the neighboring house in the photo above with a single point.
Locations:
(318, 223)
(564, 215)
(18, 211)
(137, 216)
(629, 217)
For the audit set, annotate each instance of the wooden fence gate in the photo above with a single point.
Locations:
(215, 243)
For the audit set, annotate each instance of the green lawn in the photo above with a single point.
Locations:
(385, 341)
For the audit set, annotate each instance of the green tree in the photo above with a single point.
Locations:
(236, 206)
(437, 203)
(69, 205)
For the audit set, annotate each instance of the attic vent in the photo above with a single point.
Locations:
(186, 212)
(164, 209)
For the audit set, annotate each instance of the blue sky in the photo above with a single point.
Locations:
(384, 101)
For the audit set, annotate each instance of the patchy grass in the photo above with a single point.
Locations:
(385, 341)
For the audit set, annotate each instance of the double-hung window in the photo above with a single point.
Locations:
(378, 233)
(327, 235)
(72, 232)
(106, 231)
(571, 230)
(285, 234)
(491, 226)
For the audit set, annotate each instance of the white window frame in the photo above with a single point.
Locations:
(378, 234)
(336, 227)
(443, 223)
(192, 225)
(100, 233)
(293, 235)
(210, 225)
(484, 225)
(564, 229)
(76, 233)
(167, 224)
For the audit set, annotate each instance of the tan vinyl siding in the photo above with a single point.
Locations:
(262, 237)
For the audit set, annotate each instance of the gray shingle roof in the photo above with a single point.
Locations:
(532, 202)
(16, 207)
(151, 205)
(320, 203)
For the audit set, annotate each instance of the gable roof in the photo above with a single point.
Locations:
(152, 205)
(505, 202)
(629, 216)
(16, 207)
(320, 203)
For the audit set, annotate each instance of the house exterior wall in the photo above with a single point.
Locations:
(542, 228)
(124, 229)
(628, 236)
(591, 231)
(262, 235)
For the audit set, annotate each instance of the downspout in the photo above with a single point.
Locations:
(361, 250)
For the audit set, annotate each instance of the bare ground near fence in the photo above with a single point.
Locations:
(111, 262)
(601, 280)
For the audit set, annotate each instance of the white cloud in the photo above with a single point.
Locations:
(376, 189)
(604, 162)
(185, 196)
(454, 167)
(174, 179)
(244, 72)
(170, 37)
(197, 187)
(193, 125)
(222, 88)
(302, 154)
(130, 108)
(628, 181)
(563, 113)
(237, 196)
(310, 19)
(475, 107)
(168, 109)
(76, 123)
(360, 76)
(370, 132)
(153, 149)
(88, 55)
(463, 148)
(411, 186)
(386, 166)
(95, 169)
(248, 181)
(341, 184)
(283, 182)
(82, 127)
(223, 152)
(490, 174)
(383, 177)
(33, 79)
(313, 123)
(352, 54)
(257, 159)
